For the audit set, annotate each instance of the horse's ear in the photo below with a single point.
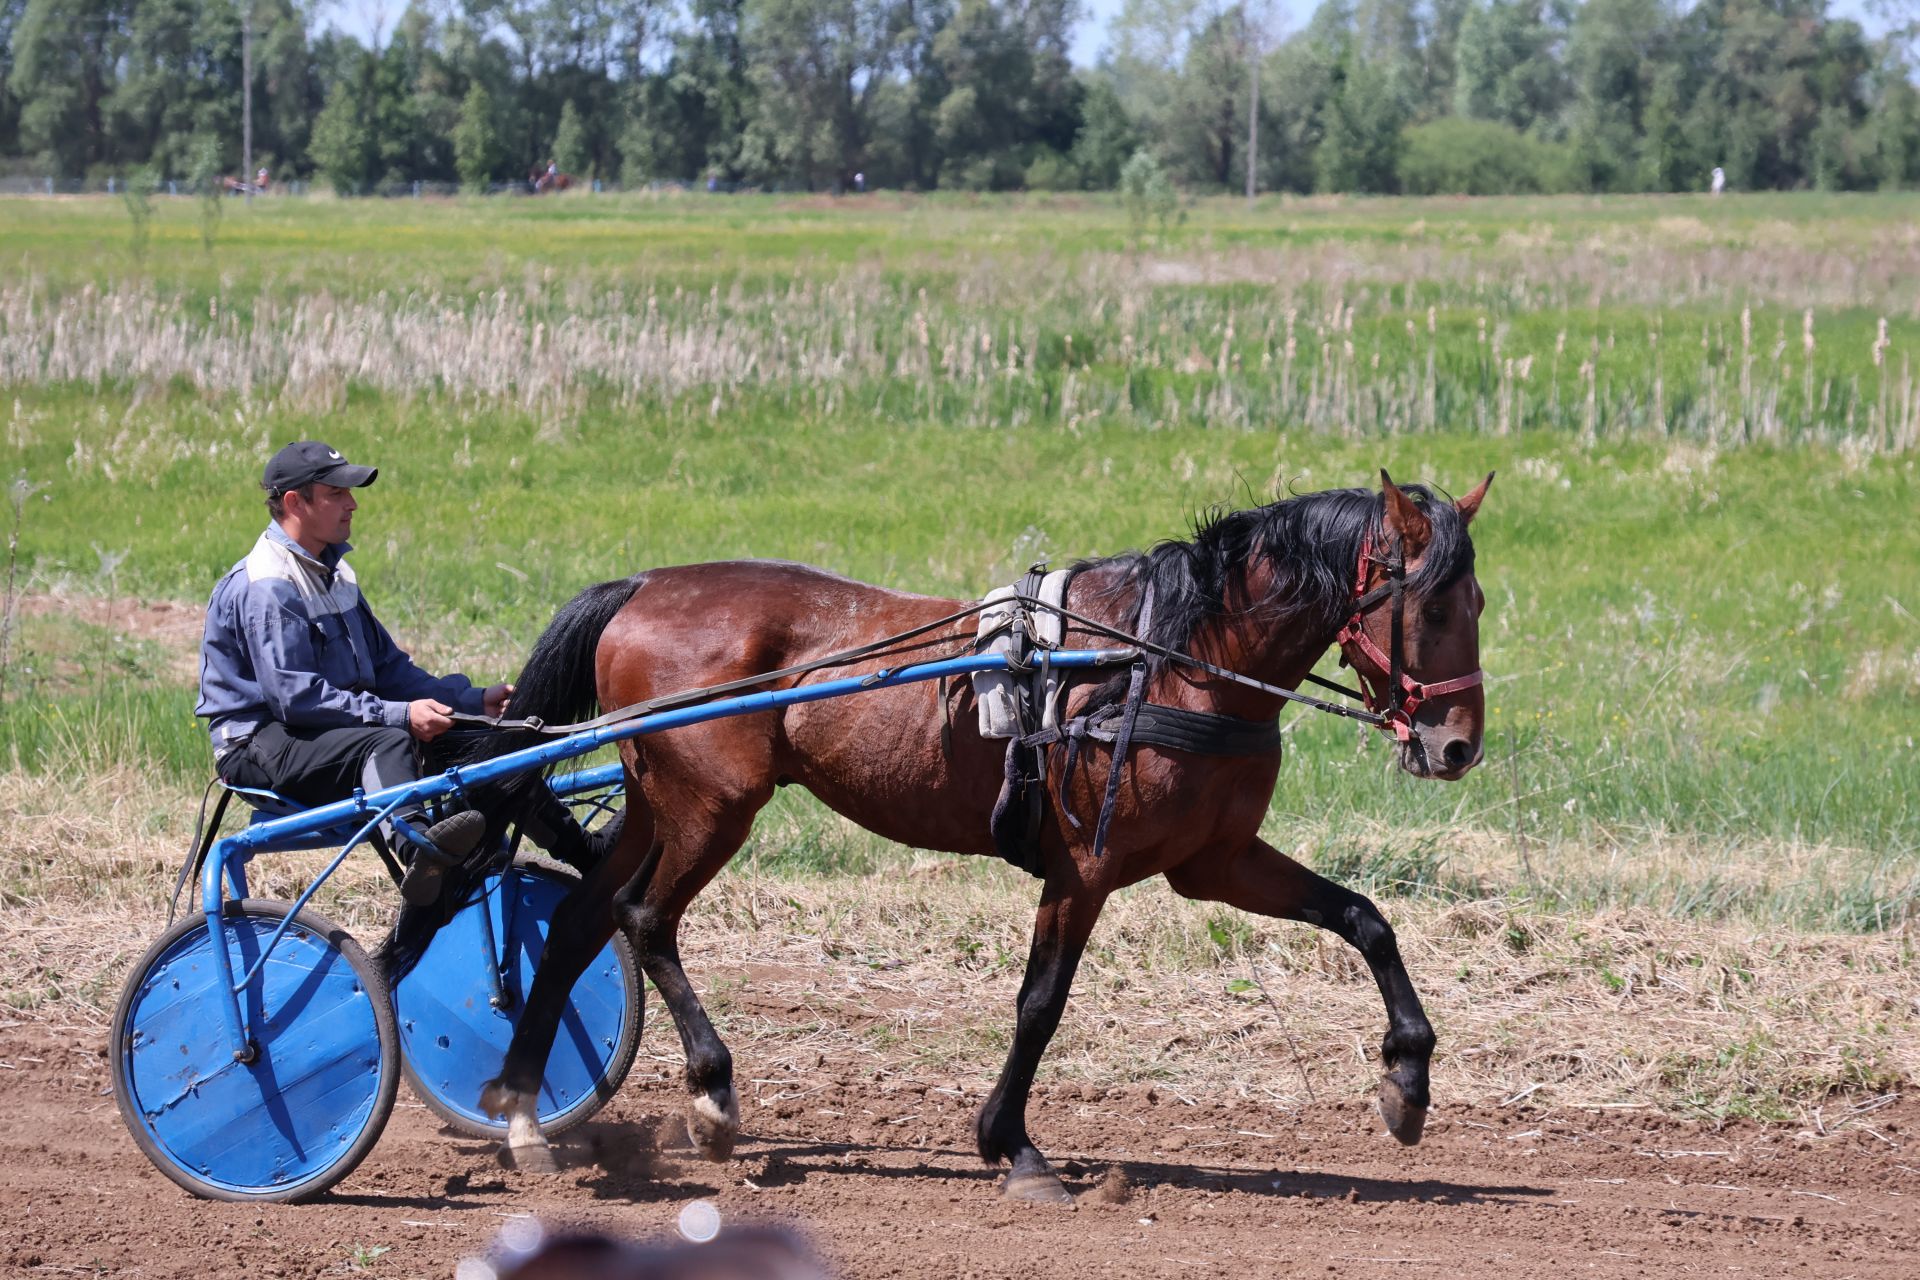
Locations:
(1405, 519)
(1469, 506)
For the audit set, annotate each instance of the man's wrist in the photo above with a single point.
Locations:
(395, 715)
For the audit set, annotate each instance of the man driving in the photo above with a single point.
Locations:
(304, 691)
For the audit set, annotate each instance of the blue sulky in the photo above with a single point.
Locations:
(282, 1091)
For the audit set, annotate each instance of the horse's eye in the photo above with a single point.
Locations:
(1435, 614)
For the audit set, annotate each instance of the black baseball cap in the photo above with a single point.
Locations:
(306, 462)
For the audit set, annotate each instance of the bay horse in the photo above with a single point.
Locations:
(1261, 592)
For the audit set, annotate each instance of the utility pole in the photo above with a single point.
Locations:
(1253, 103)
(246, 97)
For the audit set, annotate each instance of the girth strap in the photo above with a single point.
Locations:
(1136, 693)
(1200, 733)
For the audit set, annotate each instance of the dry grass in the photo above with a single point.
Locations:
(915, 970)
(1325, 345)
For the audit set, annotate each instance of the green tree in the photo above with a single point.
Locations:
(1613, 50)
(1665, 163)
(1206, 124)
(570, 143)
(180, 79)
(209, 192)
(1832, 148)
(476, 146)
(1507, 67)
(1106, 138)
(1360, 145)
(1893, 130)
(64, 55)
(1298, 84)
(1147, 193)
(137, 196)
(1451, 156)
(343, 148)
(819, 69)
(10, 11)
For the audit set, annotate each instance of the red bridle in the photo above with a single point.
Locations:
(1391, 693)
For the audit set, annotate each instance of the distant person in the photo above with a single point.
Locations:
(304, 691)
(1719, 182)
(859, 182)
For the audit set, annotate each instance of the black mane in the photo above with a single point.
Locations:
(1312, 541)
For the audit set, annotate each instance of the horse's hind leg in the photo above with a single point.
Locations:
(580, 926)
(1060, 933)
(694, 853)
(1262, 879)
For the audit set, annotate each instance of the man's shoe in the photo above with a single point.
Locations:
(449, 842)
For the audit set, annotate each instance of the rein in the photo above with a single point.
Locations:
(1380, 679)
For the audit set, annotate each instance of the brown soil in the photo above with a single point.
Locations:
(165, 621)
(875, 1169)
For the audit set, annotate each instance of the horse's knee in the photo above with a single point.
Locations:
(1365, 926)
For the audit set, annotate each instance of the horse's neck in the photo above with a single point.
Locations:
(1250, 641)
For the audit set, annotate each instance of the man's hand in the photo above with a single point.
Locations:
(428, 718)
(495, 699)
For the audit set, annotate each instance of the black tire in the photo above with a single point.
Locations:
(619, 1063)
(309, 929)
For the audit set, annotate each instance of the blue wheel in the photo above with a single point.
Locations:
(455, 1026)
(311, 1103)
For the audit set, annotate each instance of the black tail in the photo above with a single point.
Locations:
(557, 686)
(557, 683)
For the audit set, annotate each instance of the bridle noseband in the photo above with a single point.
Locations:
(1391, 693)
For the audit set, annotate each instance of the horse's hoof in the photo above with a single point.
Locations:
(537, 1160)
(1404, 1121)
(1036, 1188)
(712, 1127)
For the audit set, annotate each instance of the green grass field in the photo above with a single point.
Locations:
(1700, 555)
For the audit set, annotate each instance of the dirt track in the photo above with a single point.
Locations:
(878, 1175)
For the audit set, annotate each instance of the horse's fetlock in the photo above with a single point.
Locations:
(710, 1070)
(1412, 1042)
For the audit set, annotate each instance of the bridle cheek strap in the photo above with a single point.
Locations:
(1391, 692)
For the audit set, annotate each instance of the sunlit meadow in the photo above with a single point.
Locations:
(1701, 553)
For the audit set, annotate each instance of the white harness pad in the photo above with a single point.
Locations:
(998, 692)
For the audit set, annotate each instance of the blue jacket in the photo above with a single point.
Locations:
(290, 638)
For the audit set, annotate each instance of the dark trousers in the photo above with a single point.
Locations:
(319, 766)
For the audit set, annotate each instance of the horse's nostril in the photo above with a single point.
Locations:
(1458, 754)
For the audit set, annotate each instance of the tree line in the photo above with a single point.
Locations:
(1418, 96)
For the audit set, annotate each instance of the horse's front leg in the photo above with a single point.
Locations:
(1060, 933)
(1262, 879)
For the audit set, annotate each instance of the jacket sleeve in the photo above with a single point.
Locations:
(279, 639)
(396, 676)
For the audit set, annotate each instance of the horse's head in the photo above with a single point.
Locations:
(1414, 636)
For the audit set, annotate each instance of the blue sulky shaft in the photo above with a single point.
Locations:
(362, 812)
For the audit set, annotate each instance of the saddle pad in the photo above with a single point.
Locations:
(997, 693)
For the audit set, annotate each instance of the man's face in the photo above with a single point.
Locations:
(327, 517)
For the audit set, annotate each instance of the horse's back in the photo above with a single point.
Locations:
(905, 761)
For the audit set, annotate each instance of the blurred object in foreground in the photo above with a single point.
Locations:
(746, 1253)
